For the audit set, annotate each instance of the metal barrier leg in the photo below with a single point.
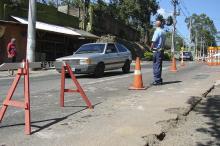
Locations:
(62, 87)
(27, 100)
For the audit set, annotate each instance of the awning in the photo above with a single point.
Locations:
(58, 29)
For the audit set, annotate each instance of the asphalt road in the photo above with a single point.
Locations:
(45, 91)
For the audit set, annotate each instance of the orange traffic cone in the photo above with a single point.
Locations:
(138, 83)
(173, 65)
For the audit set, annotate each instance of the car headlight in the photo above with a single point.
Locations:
(85, 61)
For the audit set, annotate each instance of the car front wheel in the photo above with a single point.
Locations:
(99, 70)
(126, 67)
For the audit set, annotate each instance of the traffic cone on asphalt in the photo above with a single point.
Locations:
(173, 65)
(138, 83)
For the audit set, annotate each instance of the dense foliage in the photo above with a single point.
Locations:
(204, 27)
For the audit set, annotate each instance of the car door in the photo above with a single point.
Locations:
(123, 53)
(111, 57)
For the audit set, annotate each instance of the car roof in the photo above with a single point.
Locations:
(101, 43)
(93, 43)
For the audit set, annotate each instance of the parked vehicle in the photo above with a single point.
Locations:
(187, 55)
(96, 58)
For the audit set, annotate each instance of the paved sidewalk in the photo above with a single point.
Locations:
(201, 126)
(124, 121)
(5, 74)
(42, 72)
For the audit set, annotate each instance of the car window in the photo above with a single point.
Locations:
(121, 48)
(187, 53)
(111, 48)
(91, 48)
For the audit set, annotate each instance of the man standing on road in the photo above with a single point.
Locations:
(11, 49)
(158, 42)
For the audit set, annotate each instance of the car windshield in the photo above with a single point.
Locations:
(91, 48)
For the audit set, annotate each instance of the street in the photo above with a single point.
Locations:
(110, 96)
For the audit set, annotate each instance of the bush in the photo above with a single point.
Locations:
(148, 56)
(167, 56)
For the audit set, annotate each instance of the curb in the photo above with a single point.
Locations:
(153, 139)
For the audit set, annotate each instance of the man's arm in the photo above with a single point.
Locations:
(152, 45)
(154, 39)
(8, 47)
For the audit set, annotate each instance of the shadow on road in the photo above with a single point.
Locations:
(171, 82)
(51, 121)
(211, 110)
(106, 74)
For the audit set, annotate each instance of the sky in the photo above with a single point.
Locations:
(188, 7)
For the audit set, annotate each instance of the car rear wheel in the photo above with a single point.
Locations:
(126, 67)
(99, 70)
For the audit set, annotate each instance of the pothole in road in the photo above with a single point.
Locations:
(168, 125)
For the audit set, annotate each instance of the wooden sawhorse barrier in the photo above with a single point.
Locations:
(23, 70)
(67, 69)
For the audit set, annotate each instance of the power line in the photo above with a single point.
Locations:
(183, 12)
(184, 6)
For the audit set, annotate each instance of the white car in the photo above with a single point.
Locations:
(96, 58)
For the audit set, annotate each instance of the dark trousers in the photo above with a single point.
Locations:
(11, 60)
(157, 66)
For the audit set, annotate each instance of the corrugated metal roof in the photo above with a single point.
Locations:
(48, 27)
(84, 33)
(58, 29)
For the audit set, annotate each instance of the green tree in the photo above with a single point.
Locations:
(137, 13)
(168, 42)
(83, 6)
(54, 3)
(204, 27)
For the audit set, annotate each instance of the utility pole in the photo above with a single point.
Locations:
(175, 13)
(190, 33)
(196, 45)
(201, 48)
(175, 3)
(30, 53)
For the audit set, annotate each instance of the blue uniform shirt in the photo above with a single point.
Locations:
(159, 38)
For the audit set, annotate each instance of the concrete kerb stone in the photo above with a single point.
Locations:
(154, 139)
